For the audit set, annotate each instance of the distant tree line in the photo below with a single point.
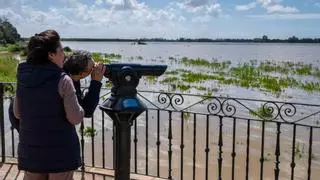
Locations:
(263, 39)
(8, 33)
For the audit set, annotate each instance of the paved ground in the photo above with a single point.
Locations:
(9, 171)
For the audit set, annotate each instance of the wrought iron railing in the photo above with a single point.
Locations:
(185, 136)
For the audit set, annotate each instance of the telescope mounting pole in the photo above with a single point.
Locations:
(123, 107)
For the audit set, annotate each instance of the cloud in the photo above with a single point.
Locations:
(281, 9)
(214, 10)
(98, 2)
(8, 3)
(287, 16)
(274, 6)
(11, 15)
(246, 7)
(188, 8)
(197, 3)
(201, 19)
(126, 4)
(118, 11)
(121, 17)
(267, 3)
(201, 7)
(70, 3)
(53, 17)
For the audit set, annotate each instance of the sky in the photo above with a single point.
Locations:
(165, 18)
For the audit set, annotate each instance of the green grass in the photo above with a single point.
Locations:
(89, 131)
(262, 112)
(15, 48)
(208, 93)
(170, 80)
(288, 67)
(299, 152)
(3, 48)
(151, 79)
(105, 58)
(180, 86)
(186, 116)
(201, 88)
(11, 49)
(316, 73)
(112, 56)
(310, 86)
(270, 84)
(172, 72)
(269, 66)
(247, 75)
(97, 56)
(215, 64)
(67, 49)
(100, 57)
(288, 82)
(8, 69)
(304, 70)
(191, 77)
(183, 87)
(245, 71)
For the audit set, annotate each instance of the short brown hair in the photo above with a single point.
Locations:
(40, 45)
(77, 62)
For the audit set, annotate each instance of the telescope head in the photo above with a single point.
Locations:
(129, 74)
(114, 69)
(125, 78)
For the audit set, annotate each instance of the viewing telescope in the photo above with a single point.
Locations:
(123, 106)
(125, 78)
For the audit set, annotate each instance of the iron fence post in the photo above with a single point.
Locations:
(3, 148)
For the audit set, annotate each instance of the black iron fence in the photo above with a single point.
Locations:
(184, 136)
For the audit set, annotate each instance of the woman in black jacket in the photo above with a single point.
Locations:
(47, 107)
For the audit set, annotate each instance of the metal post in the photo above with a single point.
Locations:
(122, 121)
(3, 148)
(122, 145)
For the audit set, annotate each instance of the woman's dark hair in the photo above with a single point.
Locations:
(40, 45)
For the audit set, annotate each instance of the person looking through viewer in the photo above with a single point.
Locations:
(48, 109)
(80, 65)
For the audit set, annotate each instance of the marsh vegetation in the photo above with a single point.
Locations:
(199, 74)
